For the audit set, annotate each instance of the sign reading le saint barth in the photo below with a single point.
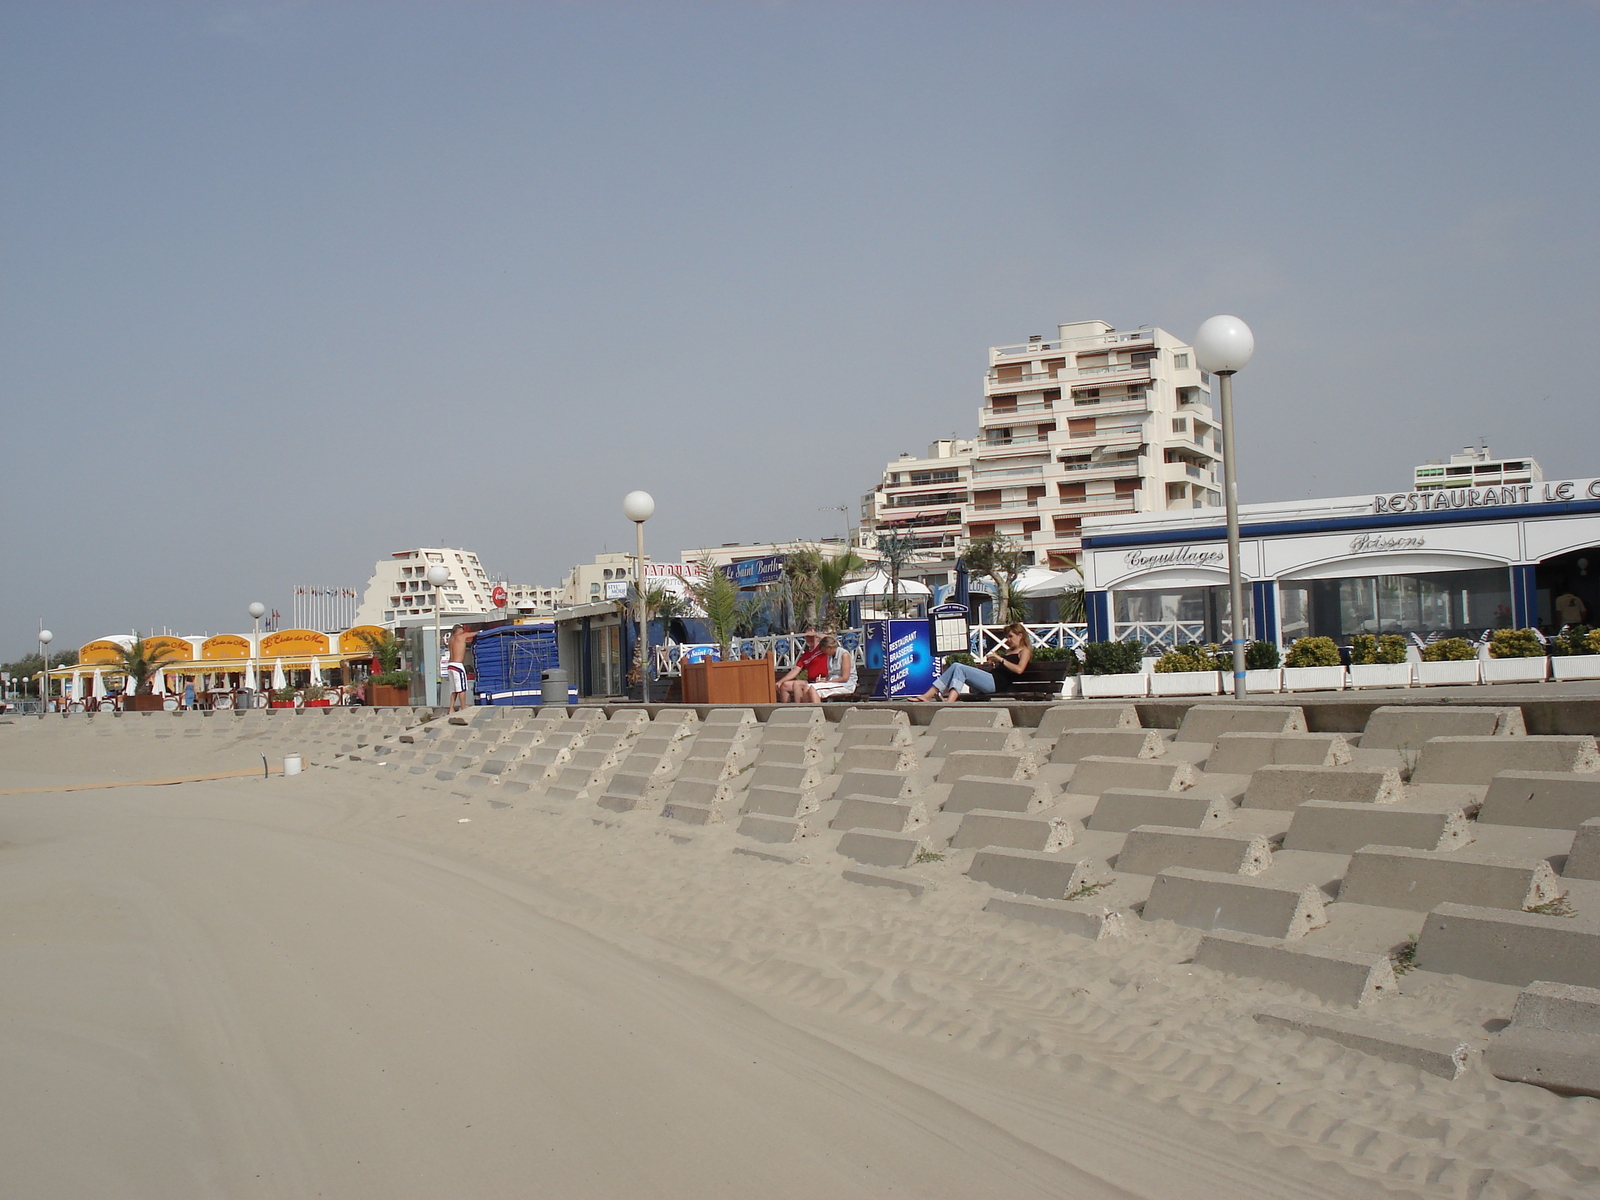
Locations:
(1488, 497)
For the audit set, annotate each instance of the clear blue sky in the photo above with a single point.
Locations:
(287, 287)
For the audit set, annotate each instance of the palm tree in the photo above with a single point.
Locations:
(718, 597)
(140, 662)
(1073, 609)
(386, 649)
(1002, 559)
(831, 576)
(897, 549)
(801, 574)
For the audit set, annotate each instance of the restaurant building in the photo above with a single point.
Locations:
(1446, 562)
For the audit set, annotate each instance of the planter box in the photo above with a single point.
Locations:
(1577, 666)
(319, 703)
(738, 681)
(1313, 679)
(143, 703)
(1432, 674)
(1389, 675)
(281, 704)
(1516, 670)
(1093, 686)
(1264, 680)
(1185, 683)
(383, 696)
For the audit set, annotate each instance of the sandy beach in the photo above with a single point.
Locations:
(353, 985)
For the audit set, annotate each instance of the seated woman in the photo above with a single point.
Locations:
(998, 672)
(812, 663)
(840, 678)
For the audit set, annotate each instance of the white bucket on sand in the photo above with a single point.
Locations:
(292, 764)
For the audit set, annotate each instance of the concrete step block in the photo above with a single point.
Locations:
(618, 803)
(877, 758)
(737, 717)
(1080, 917)
(780, 801)
(1014, 831)
(1283, 788)
(1565, 1063)
(1242, 753)
(988, 764)
(891, 785)
(788, 856)
(1421, 880)
(953, 740)
(1122, 809)
(790, 753)
(1397, 726)
(882, 849)
(1035, 873)
(630, 720)
(793, 735)
(1503, 946)
(1245, 904)
(1002, 795)
(788, 775)
(1584, 860)
(873, 877)
(1542, 799)
(1444, 1057)
(765, 828)
(1348, 977)
(809, 716)
(692, 814)
(1097, 774)
(870, 812)
(856, 717)
(1559, 1007)
(707, 768)
(1329, 827)
(1060, 718)
(963, 716)
(1477, 760)
(1208, 722)
(1151, 849)
(1077, 744)
(630, 783)
(875, 735)
(699, 791)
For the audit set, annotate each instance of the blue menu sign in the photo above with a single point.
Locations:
(901, 650)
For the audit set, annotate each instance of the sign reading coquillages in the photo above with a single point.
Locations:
(1488, 497)
(1181, 556)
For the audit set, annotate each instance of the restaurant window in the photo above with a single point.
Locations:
(1447, 603)
(1174, 616)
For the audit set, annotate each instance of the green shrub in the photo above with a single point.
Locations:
(1515, 643)
(961, 656)
(392, 679)
(1365, 649)
(1262, 656)
(1578, 639)
(1313, 652)
(1194, 658)
(316, 692)
(283, 695)
(1592, 642)
(1449, 650)
(1112, 658)
(1057, 654)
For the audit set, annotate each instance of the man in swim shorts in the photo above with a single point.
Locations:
(455, 666)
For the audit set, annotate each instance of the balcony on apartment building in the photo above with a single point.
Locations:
(1106, 466)
(949, 518)
(941, 499)
(1031, 406)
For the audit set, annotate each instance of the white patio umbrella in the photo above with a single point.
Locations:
(99, 683)
(161, 683)
(1041, 581)
(278, 680)
(316, 670)
(879, 584)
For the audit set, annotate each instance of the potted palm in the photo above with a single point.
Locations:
(140, 662)
(1313, 665)
(282, 697)
(1448, 661)
(726, 680)
(390, 687)
(1516, 656)
(1112, 669)
(1379, 661)
(831, 576)
(1581, 654)
(1187, 671)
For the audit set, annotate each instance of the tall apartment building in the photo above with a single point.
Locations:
(1475, 466)
(1091, 423)
(399, 592)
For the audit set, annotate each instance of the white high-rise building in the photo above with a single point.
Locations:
(1475, 466)
(399, 592)
(926, 498)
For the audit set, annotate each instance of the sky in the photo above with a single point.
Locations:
(285, 288)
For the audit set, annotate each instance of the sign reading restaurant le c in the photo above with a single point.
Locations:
(1488, 497)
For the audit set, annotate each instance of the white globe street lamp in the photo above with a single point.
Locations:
(438, 575)
(1223, 345)
(639, 507)
(257, 610)
(45, 638)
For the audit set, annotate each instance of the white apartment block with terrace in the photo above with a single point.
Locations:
(1092, 423)
(925, 498)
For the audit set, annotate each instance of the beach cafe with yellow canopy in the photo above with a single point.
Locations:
(228, 662)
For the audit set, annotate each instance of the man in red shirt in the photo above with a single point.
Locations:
(812, 663)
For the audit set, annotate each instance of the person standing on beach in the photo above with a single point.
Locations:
(455, 666)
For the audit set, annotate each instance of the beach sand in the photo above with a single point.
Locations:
(344, 985)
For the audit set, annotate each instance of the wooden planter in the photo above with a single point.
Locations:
(384, 696)
(150, 703)
(739, 681)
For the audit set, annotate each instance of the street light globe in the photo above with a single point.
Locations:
(1223, 345)
(638, 506)
(258, 610)
(46, 637)
(438, 575)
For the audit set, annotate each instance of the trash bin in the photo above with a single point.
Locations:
(553, 688)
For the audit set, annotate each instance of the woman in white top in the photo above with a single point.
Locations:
(840, 679)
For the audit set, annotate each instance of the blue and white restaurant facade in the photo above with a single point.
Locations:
(1442, 563)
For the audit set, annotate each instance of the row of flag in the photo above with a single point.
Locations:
(338, 593)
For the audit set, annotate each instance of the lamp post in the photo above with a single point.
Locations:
(45, 638)
(257, 610)
(438, 576)
(1223, 346)
(639, 507)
